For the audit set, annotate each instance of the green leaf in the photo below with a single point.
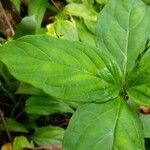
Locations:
(146, 2)
(81, 10)
(64, 29)
(28, 89)
(139, 80)
(111, 125)
(48, 135)
(90, 25)
(102, 2)
(123, 29)
(146, 124)
(45, 106)
(73, 1)
(26, 27)
(66, 70)
(37, 8)
(13, 125)
(21, 142)
(17, 4)
(84, 35)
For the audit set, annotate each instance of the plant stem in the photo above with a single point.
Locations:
(55, 5)
(6, 18)
(5, 126)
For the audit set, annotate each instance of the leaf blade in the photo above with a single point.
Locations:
(120, 25)
(96, 126)
(63, 69)
(41, 105)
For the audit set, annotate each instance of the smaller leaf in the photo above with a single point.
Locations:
(51, 29)
(88, 2)
(26, 27)
(140, 94)
(90, 25)
(46, 106)
(146, 2)
(13, 125)
(25, 88)
(84, 35)
(64, 29)
(81, 10)
(102, 2)
(48, 135)
(73, 1)
(17, 4)
(21, 142)
(7, 146)
(146, 124)
(37, 8)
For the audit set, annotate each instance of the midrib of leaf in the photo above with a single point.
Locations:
(126, 48)
(116, 124)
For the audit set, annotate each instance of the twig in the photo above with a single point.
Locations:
(5, 126)
(7, 20)
(55, 5)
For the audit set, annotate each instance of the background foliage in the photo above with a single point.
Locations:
(30, 116)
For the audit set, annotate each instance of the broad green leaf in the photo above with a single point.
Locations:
(13, 125)
(37, 8)
(81, 10)
(45, 106)
(123, 29)
(111, 125)
(146, 124)
(21, 142)
(66, 70)
(17, 4)
(26, 27)
(48, 135)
